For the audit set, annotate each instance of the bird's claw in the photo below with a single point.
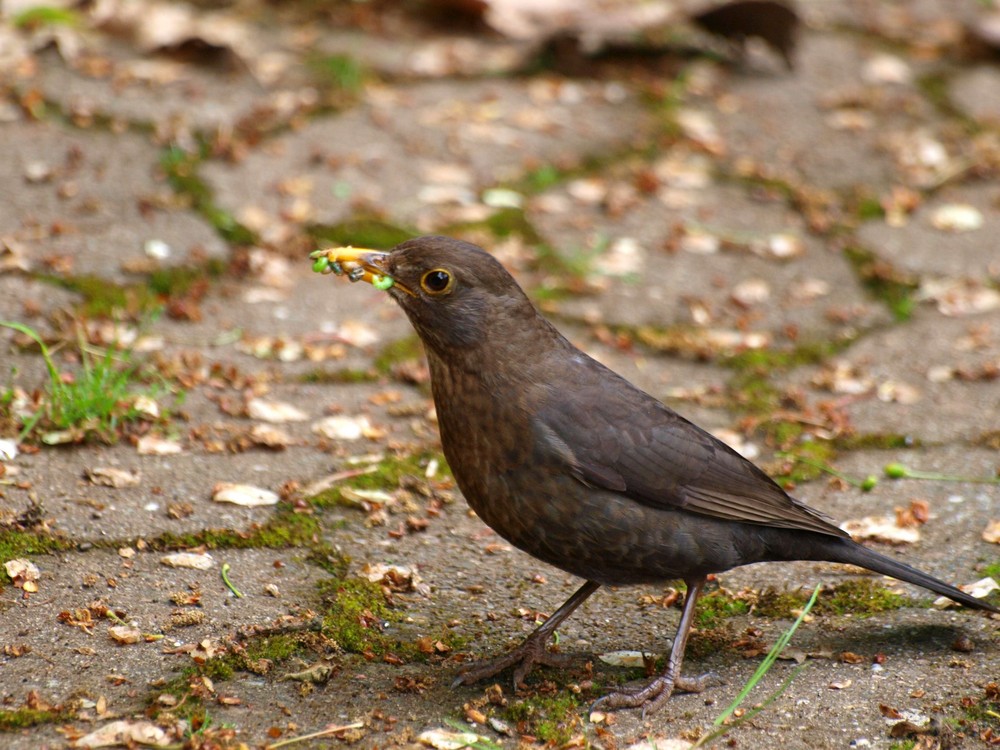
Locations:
(523, 658)
(653, 695)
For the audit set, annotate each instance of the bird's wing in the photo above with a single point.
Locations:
(630, 443)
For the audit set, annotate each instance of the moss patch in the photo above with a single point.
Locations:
(716, 606)
(24, 718)
(370, 232)
(16, 543)
(355, 615)
(343, 375)
(285, 529)
(552, 719)
(883, 281)
(103, 298)
(400, 350)
(387, 476)
(859, 596)
(181, 170)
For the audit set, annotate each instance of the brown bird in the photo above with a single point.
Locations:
(574, 465)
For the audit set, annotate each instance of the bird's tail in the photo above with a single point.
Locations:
(846, 551)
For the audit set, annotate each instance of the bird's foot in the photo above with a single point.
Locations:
(651, 697)
(523, 658)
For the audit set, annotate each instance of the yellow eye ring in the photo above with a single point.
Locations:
(437, 281)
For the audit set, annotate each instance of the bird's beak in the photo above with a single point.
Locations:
(358, 264)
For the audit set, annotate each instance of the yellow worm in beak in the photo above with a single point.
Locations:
(357, 263)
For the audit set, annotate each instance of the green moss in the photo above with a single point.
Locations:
(387, 476)
(285, 529)
(24, 718)
(343, 375)
(361, 231)
(874, 441)
(339, 71)
(16, 543)
(993, 570)
(893, 287)
(178, 280)
(553, 719)
(861, 596)
(181, 170)
(780, 605)
(355, 613)
(716, 606)
(707, 641)
(857, 596)
(103, 298)
(984, 710)
(397, 351)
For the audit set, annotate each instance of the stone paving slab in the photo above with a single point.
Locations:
(93, 201)
(420, 150)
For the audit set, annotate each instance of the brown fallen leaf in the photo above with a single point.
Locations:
(109, 476)
(992, 532)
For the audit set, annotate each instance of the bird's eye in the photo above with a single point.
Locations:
(437, 281)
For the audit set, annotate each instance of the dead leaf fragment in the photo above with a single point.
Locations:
(108, 476)
(447, 739)
(243, 494)
(394, 577)
(992, 532)
(629, 659)
(274, 412)
(342, 427)
(151, 445)
(957, 217)
(881, 529)
(979, 589)
(126, 634)
(194, 560)
(125, 734)
(23, 573)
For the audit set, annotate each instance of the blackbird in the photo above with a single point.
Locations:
(573, 464)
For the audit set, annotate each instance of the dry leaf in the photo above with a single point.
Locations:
(881, 529)
(630, 659)
(341, 427)
(243, 494)
(23, 573)
(992, 532)
(151, 445)
(269, 437)
(126, 634)
(108, 476)
(125, 734)
(194, 560)
(274, 411)
(979, 589)
(957, 217)
(447, 739)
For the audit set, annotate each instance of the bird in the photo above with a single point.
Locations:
(571, 463)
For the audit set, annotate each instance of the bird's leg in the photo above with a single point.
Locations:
(532, 650)
(651, 697)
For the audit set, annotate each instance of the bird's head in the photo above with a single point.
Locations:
(456, 294)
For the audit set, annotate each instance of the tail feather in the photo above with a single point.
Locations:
(846, 551)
